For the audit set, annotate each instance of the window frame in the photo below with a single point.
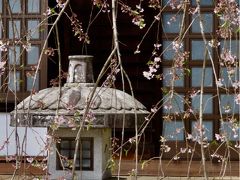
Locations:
(70, 140)
(23, 67)
(187, 87)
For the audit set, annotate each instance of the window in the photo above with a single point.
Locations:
(23, 31)
(181, 108)
(66, 148)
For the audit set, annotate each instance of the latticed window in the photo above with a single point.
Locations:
(66, 149)
(181, 108)
(22, 34)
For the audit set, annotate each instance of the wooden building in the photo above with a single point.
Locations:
(28, 13)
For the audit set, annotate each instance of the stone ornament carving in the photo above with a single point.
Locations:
(80, 71)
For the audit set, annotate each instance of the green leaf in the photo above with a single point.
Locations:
(225, 24)
(158, 77)
(188, 71)
(143, 164)
(150, 62)
(125, 152)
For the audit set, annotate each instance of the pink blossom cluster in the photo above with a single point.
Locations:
(229, 14)
(218, 157)
(137, 16)
(219, 82)
(199, 133)
(27, 46)
(237, 99)
(186, 150)
(176, 4)
(63, 121)
(111, 78)
(154, 4)
(180, 57)
(103, 4)
(90, 117)
(220, 137)
(2, 67)
(49, 51)
(153, 67)
(61, 3)
(48, 12)
(78, 30)
(227, 58)
(165, 148)
(4, 46)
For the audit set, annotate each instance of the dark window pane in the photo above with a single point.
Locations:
(77, 164)
(203, 2)
(86, 163)
(168, 77)
(197, 77)
(165, 2)
(228, 104)
(233, 46)
(86, 154)
(230, 130)
(14, 28)
(173, 130)
(67, 148)
(198, 50)
(172, 3)
(65, 153)
(171, 22)
(33, 6)
(207, 103)
(71, 153)
(72, 144)
(11, 81)
(174, 104)
(30, 78)
(14, 52)
(169, 53)
(64, 144)
(207, 127)
(86, 144)
(230, 77)
(33, 55)
(15, 6)
(207, 23)
(33, 29)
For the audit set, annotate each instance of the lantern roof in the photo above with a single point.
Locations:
(108, 107)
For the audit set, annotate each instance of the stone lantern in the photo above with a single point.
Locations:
(61, 110)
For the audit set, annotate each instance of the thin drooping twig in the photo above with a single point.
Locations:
(34, 81)
(209, 55)
(87, 110)
(44, 47)
(116, 44)
(135, 120)
(17, 143)
(59, 67)
(201, 95)
(201, 117)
